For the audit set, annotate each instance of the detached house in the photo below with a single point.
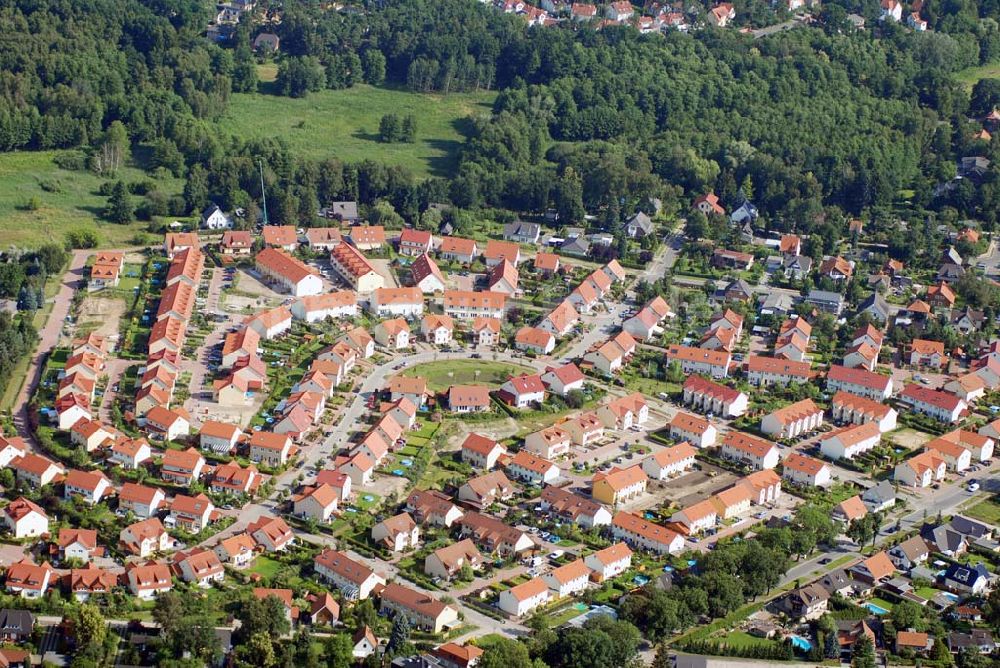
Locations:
(397, 533)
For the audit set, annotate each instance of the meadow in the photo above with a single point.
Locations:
(40, 201)
(344, 124)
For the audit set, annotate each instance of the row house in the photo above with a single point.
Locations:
(861, 382)
(493, 535)
(293, 275)
(588, 513)
(525, 598)
(645, 325)
(612, 355)
(955, 456)
(336, 304)
(351, 265)
(711, 363)
(854, 409)
(697, 517)
(752, 451)
(397, 303)
(804, 470)
(355, 580)
(693, 429)
(646, 535)
(921, 470)
(584, 429)
(707, 396)
(466, 305)
(733, 502)
(421, 610)
(551, 442)
(568, 579)
(628, 412)
(609, 562)
(272, 323)
(532, 469)
(485, 490)
(482, 452)
(448, 561)
(433, 507)
(941, 406)
(534, 340)
(793, 420)
(763, 371)
(669, 462)
(849, 442)
(619, 485)
(764, 485)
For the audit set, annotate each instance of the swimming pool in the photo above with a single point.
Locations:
(801, 644)
(876, 609)
(951, 597)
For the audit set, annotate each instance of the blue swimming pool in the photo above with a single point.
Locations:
(801, 644)
(876, 609)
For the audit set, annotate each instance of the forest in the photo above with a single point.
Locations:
(813, 124)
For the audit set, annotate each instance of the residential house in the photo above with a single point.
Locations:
(793, 420)
(354, 579)
(397, 533)
(710, 397)
(693, 429)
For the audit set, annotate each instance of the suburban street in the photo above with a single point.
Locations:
(48, 337)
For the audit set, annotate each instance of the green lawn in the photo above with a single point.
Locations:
(882, 603)
(65, 200)
(987, 510)
(265, 567)
(344, 124)
(441, 375)
(742, 639)
(926, 592)
(971, 75)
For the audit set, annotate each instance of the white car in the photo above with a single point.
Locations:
(973, 487)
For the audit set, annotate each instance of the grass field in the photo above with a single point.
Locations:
(442, 375)
(742, 639)
(66, 200)
(971, 75)
(344, 124)
(987, 510)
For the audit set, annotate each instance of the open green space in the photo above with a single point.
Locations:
(970, 76)
(40, 201)
(442, 375)
(344, 124)
(987, 510)
(265, 567)
(742, 639)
